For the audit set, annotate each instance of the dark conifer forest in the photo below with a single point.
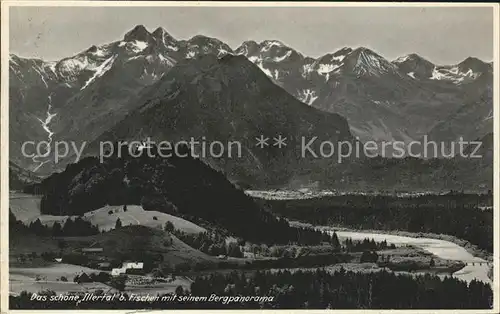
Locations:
(455, 214)
(306, 290)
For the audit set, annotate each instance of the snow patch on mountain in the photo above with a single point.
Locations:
(489, 116)
(166, 60)
(268, 44)
(100, 70)
(134, 46)
(173, 48)
(259, 62)
(338, 58)
(307, 96)
(49, 116)
(274, 74)
(12, 59)
(326, 69)
(222, 52)
(152, 76)
(100, 52)
(437, 75)
(138, 46)
(411, 74)
(41, 75)
(45, 125)
(255, 59)
(286, 55)
(401, 59)
(371, 64)
(452, 74)
(72, 66)
(307, 69)
(52, 67)
(265, 70)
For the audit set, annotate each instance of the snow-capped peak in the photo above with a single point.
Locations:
(70, 67)
(161, 35)
(102, 51)
(247, 48)
(268, 44)
(367, 62)
(412, 58)
(139, 33)
(401, 59)
(468, 70)
(475, 65)
(453, 74)
(414, 66)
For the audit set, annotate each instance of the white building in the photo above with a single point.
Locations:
(125, 266)
(133, 265)
(118, 271)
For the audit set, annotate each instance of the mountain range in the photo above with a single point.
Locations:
(151, 84)
(382, 100)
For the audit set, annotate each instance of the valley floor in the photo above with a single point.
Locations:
(450, 259)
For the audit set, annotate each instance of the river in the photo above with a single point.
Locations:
(441, 248)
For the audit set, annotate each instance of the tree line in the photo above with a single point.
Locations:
(71, 228)
(307, 290)
(182, 186)
(455, 214)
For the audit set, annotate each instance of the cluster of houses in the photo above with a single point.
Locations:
(95, 251)
(137, 266)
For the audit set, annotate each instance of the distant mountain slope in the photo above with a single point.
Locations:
(50, 100)
(382, 100)
(472, 120)
(226, 100)
(151, 84)
(20, 178)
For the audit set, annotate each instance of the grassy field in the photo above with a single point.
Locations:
(27, 209)
(28, 243)
(24, 206)
(24, 278)
(135, 215)
(136, 241)
(128, 242)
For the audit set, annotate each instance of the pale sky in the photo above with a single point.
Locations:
(445, 35)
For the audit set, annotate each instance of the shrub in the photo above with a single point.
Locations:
(179, 290)
(169, 226)
(118, 282)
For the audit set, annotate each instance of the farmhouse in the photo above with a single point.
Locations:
(125, 266)
(118, 271)
(133, 265)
